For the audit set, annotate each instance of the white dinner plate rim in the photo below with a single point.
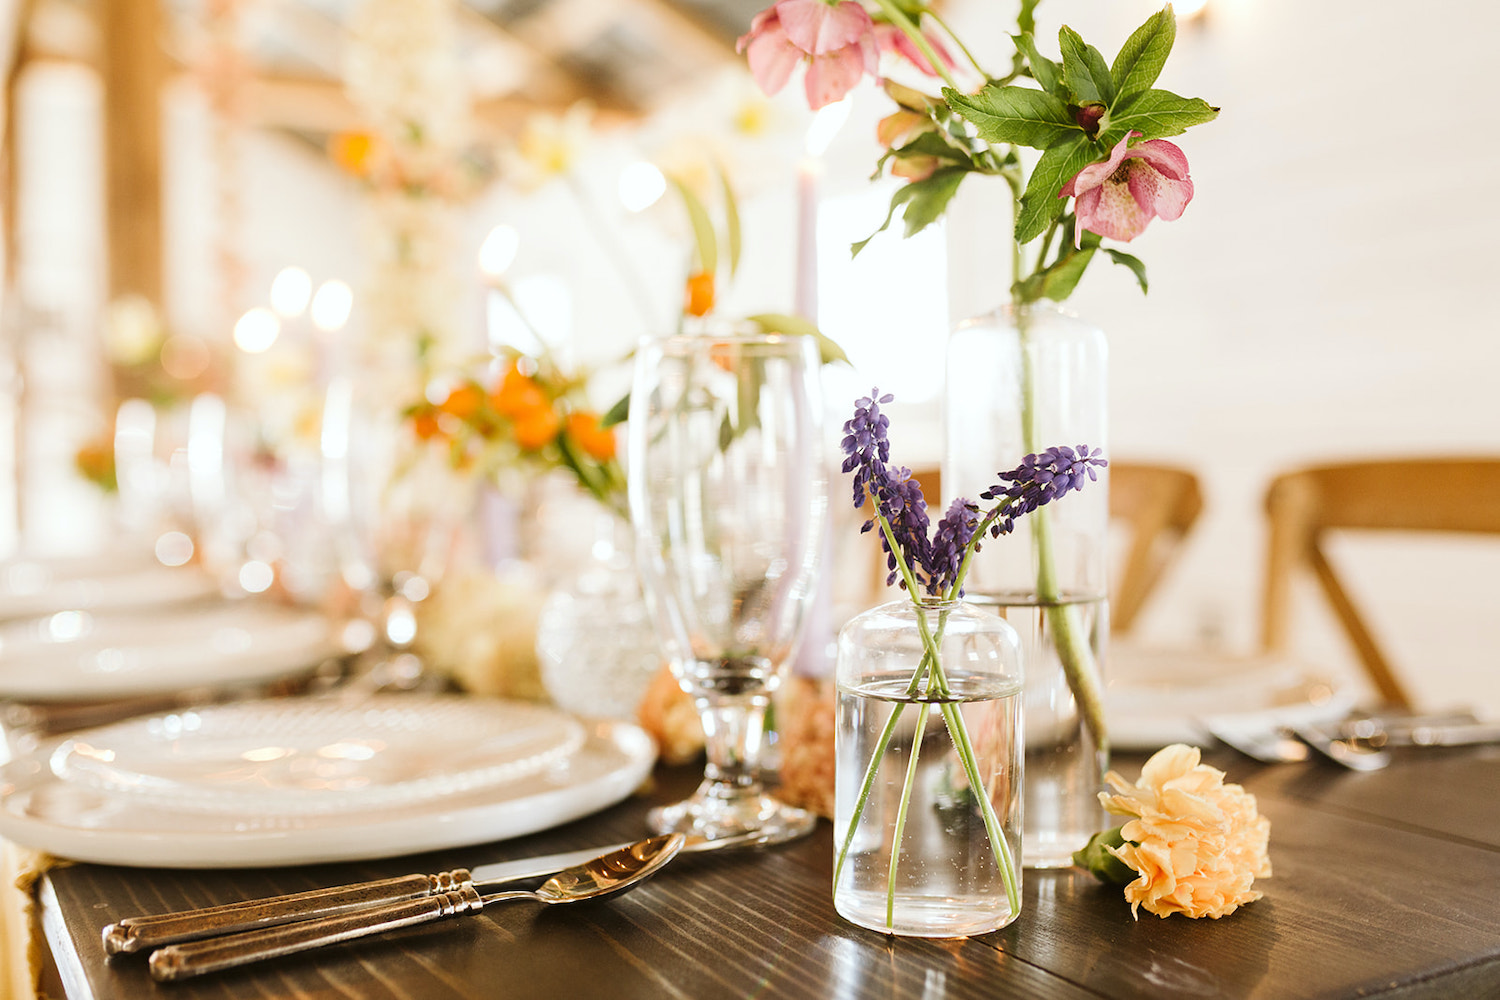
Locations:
(144, 740)
(134, 588)
(462, 821)
(55, 677)
(1141, 716)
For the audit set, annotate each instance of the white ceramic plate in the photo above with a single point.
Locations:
(72, 655)
(1154, 697)
(30, 588)
(316, 755)
(38, 809)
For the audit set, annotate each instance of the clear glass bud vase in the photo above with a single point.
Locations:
(917, 851)
(1020, 380)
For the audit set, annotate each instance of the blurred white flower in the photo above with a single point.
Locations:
(548, 147)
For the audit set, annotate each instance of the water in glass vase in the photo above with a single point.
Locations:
(1064, 766)
(946, 882)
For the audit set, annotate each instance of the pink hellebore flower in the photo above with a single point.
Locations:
(835, 39)
(1119, 197)
(893, 39)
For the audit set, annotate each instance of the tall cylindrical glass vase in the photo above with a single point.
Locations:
(1022, 379)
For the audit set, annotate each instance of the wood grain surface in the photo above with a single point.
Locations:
(1385, 885)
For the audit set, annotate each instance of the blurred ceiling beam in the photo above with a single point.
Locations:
(546, 80)
(314, 104)
(134, 69)
(684, 32)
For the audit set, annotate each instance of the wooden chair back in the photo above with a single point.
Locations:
(1444, 494)
(1158, 504)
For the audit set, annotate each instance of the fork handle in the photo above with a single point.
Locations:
(141, 933)
(183, 961)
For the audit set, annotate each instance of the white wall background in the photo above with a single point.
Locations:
(1327, 294)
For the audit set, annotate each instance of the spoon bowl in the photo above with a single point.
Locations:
(607, 875)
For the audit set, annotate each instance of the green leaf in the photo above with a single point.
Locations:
(1145, 52)
(1043, 70)
(703, 228)
(617, 413)
(1136, 265)
(828, 349)
(1084, 70)
(1157, 114)
(1018, 115)
(1040, 204)
(935, 144)
(1059, 280)
(731, 219)
(1095, 857)
(931, 197)
(902, 195)
(1026, 17)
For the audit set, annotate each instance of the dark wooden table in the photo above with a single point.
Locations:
(1386, 884)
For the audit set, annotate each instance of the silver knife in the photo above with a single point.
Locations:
(134, 934)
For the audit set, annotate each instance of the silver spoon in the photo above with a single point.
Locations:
(606, 875)
(133, 934)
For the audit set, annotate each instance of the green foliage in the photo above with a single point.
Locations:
(1026, 16)
(1143, 55)
(1078, 109)
(617, 413)
(1085, 72)
(1156, 114)
(1040, 205)
(703, 227)
(828, 349)
(1043, 70)
(925, 201)
(1052, 119)
(1136, 265)
(732, 235)
(1095, 857)
(1018, 115)
(932, 195)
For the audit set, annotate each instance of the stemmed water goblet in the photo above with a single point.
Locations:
(728, 496)
(396, 507)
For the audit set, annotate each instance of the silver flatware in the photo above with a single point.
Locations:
(607, 875)
(143, 933)
(1353, 754)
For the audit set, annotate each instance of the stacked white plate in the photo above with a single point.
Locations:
(298, 781)
(76, 655)
(31, 588)
(1157, 696)
(117, 626)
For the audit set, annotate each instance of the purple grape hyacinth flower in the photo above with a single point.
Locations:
(1040, 479)
(937, 564)
(946, 553)
(896, 496)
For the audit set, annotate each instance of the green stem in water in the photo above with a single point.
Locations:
(896, 835)
(998, 844)
(1072, 647)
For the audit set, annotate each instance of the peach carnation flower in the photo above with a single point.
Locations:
(1196, 844)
